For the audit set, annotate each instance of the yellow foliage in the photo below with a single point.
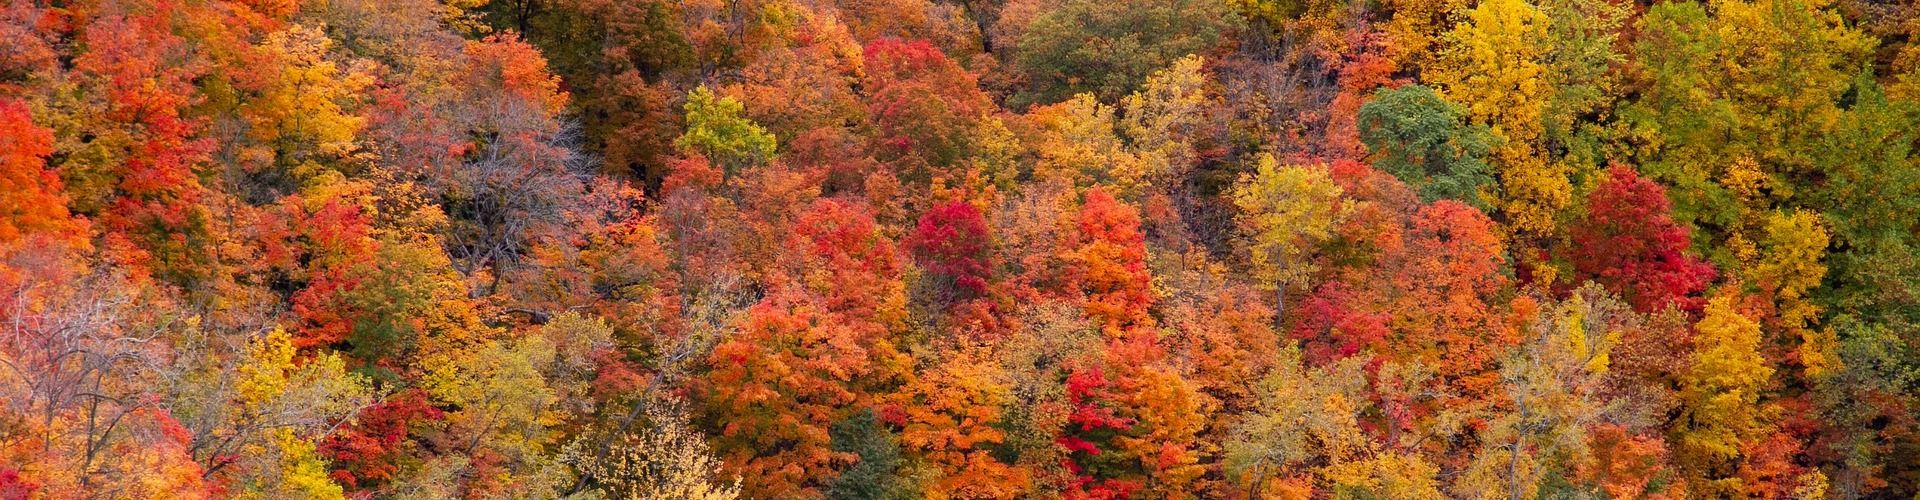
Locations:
(1789, 266)
(303, 473)
(305, 112)
(1388, 475)
(1416, 26)
(1720, 392)
(265, 377)
(1496, 65)
(1284, 213)
(1161, 118)
(1078, 145)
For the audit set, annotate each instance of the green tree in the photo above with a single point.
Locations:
(874, 475)
(718, 129)
(1424, 140)
(1109, 47)
(1739, 95)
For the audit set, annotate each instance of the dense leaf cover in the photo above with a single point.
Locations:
(867, 249)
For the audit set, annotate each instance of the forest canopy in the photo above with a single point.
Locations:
(878, 249)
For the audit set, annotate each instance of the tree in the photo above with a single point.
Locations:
(820, 348)
(1720, 398)
(504, 411)
(1422, 139)
(615, 58)
(773, 393)
(1079, 146)
(141, 180)
(1628, 244)
(1446, 313)
(30, 191)
(1306, 422)
(1734, 142)
(1869, 160)
(1495, 65)
(1111, 264)
(1790, 265)
(303, 117)
(667, 458)
(716, 130)
(1625, 465)
(875, 472)
(379, 444)
(923, 106)
(1093, 46)
(1581, 68)
(952, 241)
(1416, 29)
(1554, 381)
(255, 419)
(1285, 212)
(1092, 427)
(955, 418)
(1168, 119)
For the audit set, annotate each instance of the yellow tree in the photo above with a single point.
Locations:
(1163, 118)
(504, 407)
(1554, 383)
(1416, 27)
(1304, 438)
(1496, 64)
(1077, 144)
(260, 438)
(1284, 213)
(1788, 267)
(1720, 397)
(300, 117)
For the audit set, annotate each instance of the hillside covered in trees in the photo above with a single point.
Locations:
(879, 249)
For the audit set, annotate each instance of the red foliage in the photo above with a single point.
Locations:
(1332, 327)
(368, 452)
(1630, 245)
(953, 242)
(322, 248)
(1091, 430)
(147, 74)
(839, 240)
(12, 487)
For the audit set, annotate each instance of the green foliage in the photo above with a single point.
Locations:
(1872, 170)
(718, 129)
(1740, 94)
(1419, 137)
(1108, 47)
(875, 473)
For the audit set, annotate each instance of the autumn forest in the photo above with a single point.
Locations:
(898, 249)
